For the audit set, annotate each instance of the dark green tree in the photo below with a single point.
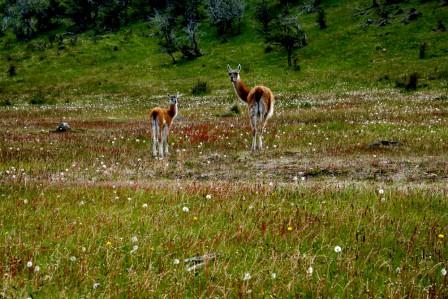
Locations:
(165, 29)
(288, 34)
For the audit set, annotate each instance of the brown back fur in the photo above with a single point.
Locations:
(260, 92)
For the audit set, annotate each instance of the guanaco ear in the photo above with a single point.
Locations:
(239, 67)
(229, 68)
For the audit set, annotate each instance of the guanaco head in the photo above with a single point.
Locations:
(234, 74)
(174, 99)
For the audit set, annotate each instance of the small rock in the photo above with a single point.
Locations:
(63, 127)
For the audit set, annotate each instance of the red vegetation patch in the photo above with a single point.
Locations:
(197, 133)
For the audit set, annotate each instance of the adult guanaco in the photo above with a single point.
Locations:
(260, 103)
(161, 121)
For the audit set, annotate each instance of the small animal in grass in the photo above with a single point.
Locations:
(260, 103)
(161, 121)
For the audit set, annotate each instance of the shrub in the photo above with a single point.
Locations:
(411, 83)
(12, 71)
(200, 88)
(235, 109)
(422, 52)
(321, 18)
(40, 99)
(6, 102)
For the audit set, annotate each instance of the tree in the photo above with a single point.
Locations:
(188, 42)
(28, 17)
(83, 13)
(223, 14)
(189, 34)
(263, 14)
(288, 34)
(164, 25)
(112, 14)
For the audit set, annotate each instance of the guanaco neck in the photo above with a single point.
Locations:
(241, 90)
(172, 111)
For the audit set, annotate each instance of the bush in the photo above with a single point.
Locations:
(40, 99)
(422, 52)
(321, 18)
(411, 83)
(200, 88)
(6, 102)
(12, 71)
(233, 111)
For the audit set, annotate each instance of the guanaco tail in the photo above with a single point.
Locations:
(161, 121)
(260, 103)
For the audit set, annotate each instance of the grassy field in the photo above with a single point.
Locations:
(76, 204)
(322, 212)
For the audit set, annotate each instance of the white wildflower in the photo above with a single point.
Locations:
(247, 276)
(185, 209)
(73, 258)
(310, 270)
(208, 196)
(29, 264)
(134, 248)
(176, 261)
(134, 239)
(36, 269)
(145, 205)
(337, 249)
(96, 285)
(273, 275)
(443, 272)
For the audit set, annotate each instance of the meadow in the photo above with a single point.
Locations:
(96, 216)
(349, 198)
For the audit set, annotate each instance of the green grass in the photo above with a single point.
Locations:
(345, 56)
(280, 230)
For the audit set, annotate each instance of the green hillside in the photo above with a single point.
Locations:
(348, 55)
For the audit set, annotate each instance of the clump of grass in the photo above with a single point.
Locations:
(40, 99)
(439, 75)
(233, 111)
(411, 83)
(422, 52)
(200, 88)
(305, 105)
(12, 70)
(6, 102)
